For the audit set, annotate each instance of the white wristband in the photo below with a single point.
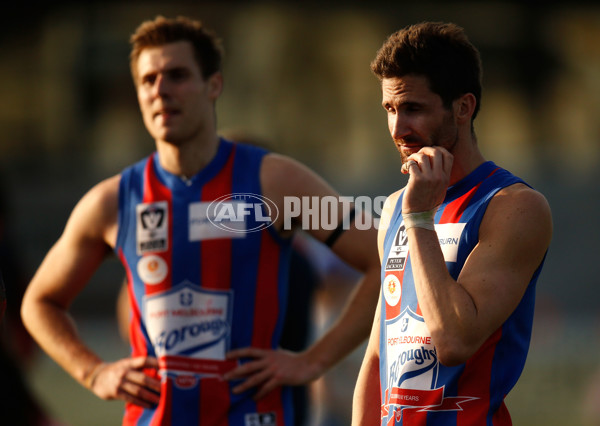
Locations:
(420, 220)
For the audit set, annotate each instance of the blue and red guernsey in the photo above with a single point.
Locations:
(415, 388)
(206, 274)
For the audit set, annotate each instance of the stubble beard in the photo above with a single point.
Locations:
(445, 141)
(445, 136)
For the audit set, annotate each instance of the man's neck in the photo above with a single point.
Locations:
(187, 159)
(467, 158)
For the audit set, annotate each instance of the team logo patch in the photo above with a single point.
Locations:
(152, 269)
(152, 227)
(392, 289)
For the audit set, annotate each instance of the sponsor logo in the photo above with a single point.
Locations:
(410, 353)
(398, 254)
(185, 381)
(189, 321)
(260, 419)
(212, 331)
(412, 370)
(201, 227)
(449, 236)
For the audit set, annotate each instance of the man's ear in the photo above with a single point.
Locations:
(464, 107)
(215, 85)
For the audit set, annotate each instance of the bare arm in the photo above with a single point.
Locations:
(88, 236)
(281, 177)
(366, 402)
(513, 237)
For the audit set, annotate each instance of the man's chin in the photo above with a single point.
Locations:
(168, 137)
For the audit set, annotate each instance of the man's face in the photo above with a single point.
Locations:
(177, 104)
(416, 115)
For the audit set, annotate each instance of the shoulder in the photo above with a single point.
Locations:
(257, 148)
(288, 184)
(522, 200)
(96, 213)
(392, 200)
(388, 209)
(105, 192)
(277, 165)
(522, 214)
(386, 216)
(282, 175)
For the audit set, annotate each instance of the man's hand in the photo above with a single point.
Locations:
(429, 171)
(124, 379)
(269, 369)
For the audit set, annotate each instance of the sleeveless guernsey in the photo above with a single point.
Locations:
(415, 388)
(206, 275)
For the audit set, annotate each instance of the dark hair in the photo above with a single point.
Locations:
(207, 46)
(439, 51)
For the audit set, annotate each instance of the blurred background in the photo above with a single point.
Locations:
(297, 77)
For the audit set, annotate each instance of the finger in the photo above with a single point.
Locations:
(441, 160)
(151, 362)
(142, 379)
(141, 362)
(430, 150)
(266, 389)
(125, 396)
(140, 393)
(426, 158)
(245, 353)
(437, 160)
(245, 369)
(252, 381)
(406, 166)
(436, 153)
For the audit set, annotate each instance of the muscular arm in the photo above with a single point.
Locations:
(461, 315)
(513, 237)
(86, 241)
(281, 177)
(62, 275)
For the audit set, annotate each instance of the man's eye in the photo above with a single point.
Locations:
(177, 75)
(148, 80)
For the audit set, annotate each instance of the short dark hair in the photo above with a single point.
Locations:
(208, 48)
(439, 51)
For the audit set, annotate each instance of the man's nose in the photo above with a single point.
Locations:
(399, 127)
(161, 85)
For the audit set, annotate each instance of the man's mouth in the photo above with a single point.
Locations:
(408, 147)
(165, 111)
